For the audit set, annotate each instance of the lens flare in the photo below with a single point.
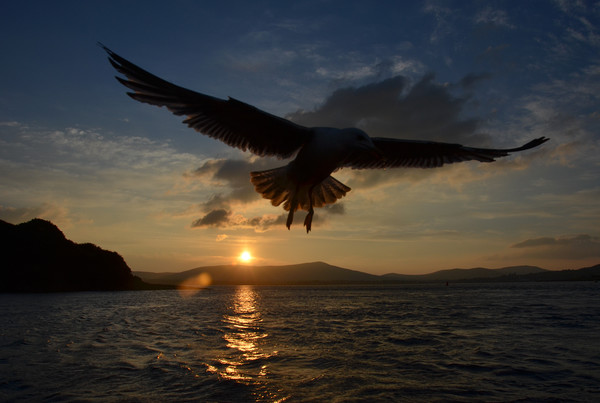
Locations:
(192, 285)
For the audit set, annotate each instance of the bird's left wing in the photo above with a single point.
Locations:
(426, 154)
(235, 123)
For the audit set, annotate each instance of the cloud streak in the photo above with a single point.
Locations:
(580, 246)
(62, 174)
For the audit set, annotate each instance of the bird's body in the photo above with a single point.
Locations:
(306, 181)
(305, 184)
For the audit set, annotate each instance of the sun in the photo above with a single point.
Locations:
(245, 257)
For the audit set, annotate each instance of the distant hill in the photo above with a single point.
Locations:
(305, 273)
(585, 274)
(36, 257)
(478, 273)
(323, 273)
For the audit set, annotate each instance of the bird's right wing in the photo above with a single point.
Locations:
(235, 123)
(426, 154)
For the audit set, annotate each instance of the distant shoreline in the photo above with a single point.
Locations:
(166, 287)
(320, 273)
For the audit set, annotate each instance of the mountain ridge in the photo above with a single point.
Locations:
(324, 273)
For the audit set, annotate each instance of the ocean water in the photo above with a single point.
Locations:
(470, 342)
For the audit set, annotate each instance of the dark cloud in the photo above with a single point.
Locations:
(544, 241)
(266, 222)
(392, 108)
(348, 106)
(215, 202)
(549, 241)
(215, 218)
(226, 219)
(235, 175)
(335, 209)
(569, 247)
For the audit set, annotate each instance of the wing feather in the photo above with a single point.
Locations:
(427, 154)
(235, 123)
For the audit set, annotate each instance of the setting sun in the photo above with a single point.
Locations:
(245, 256)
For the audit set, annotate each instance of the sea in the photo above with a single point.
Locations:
(522, 342)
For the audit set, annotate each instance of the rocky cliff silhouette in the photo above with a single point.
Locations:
(35, 256)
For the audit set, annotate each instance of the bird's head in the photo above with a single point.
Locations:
(359, 141)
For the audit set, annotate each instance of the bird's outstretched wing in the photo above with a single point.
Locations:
(427, 154)
(235, 123)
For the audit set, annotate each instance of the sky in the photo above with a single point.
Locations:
(130, 177)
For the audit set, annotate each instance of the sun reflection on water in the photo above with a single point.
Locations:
(245, 360)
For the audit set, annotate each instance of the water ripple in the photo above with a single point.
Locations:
(531, 342)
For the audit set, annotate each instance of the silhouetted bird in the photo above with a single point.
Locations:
(305, 182)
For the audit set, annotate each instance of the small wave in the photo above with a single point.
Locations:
(304, 344)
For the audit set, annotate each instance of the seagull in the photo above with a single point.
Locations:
(305, 182)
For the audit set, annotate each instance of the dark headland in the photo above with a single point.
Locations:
(37, 257)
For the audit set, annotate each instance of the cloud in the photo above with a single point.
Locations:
(226, 219)
(443, 16)
(357, 69)
(545, 241)
(566, 247)
(266, 222)
(11, 123)
(393, 108)
(493, 17)
(233, 174)
(565, 110)
(87, 150)
(90, 174)
(336, 209)
(221, 218)
(578, 24)
(215, 218)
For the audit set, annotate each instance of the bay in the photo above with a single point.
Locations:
(463, 342)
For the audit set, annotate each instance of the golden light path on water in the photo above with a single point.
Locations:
(245, 360)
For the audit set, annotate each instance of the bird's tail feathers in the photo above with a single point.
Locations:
(273, 184)
(326, 192)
